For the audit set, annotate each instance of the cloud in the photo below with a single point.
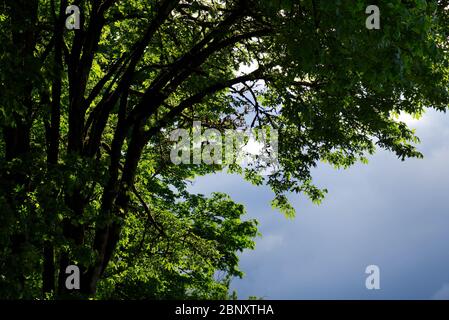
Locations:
(442, 294)
(390, 213)
(270, 243)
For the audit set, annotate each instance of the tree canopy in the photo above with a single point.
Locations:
(85, 115)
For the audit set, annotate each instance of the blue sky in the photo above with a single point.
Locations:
(389, 213)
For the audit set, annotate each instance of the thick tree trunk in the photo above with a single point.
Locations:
(115, 201)
(53, 136)
(17, 135)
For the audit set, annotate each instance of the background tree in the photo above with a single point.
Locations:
(85, 175)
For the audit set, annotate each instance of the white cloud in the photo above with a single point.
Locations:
(409, 119)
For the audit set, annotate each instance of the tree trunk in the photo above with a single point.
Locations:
(53, 136)
(17, 135)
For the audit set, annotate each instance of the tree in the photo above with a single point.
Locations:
(85, 172)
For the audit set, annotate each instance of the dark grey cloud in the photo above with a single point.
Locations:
(389, 213)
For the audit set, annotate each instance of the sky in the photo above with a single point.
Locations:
(388, 213)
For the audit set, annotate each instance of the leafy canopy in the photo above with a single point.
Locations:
(85, 172)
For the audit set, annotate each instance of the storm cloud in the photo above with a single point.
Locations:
(388, 213)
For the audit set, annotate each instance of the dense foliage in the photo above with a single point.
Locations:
(85, 170)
